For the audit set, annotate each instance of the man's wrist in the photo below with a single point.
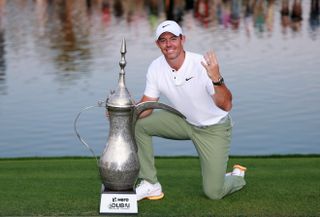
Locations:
(219, 82)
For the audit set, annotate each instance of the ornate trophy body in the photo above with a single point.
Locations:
(119, 164)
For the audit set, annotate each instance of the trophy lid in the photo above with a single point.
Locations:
(121, 97)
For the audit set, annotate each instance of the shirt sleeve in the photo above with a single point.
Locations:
(151, 89)
(207, 82)
(209, 87)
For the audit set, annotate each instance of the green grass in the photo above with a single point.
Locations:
(276, 186)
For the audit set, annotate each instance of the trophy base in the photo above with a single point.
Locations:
(118, 202)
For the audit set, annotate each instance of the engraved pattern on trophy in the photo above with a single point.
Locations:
(119, 164)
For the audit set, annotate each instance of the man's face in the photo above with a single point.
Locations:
(170, 45)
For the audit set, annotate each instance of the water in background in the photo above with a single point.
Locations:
(57, 57)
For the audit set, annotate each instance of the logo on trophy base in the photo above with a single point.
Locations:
(118, 202)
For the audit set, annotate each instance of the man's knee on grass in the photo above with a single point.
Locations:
(213, 193)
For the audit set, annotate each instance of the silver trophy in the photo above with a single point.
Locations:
(119, 164)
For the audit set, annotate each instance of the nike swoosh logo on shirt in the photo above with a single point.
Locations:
(187, 79)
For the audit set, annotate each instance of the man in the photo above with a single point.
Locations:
(195, 87)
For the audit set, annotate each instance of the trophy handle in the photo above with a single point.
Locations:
(139, 108)
(100, 104)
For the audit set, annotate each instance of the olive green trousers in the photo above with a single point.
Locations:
(212, 144)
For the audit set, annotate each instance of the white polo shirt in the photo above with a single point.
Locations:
(189, 89)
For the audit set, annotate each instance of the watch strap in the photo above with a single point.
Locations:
(219, 82)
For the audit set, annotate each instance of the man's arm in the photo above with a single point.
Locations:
(149, 111)
(222, 96)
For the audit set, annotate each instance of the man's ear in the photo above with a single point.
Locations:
(157, 43)
(183, 38)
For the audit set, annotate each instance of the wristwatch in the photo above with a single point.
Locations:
(219, 82)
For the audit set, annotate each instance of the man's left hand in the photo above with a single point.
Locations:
(211, 65)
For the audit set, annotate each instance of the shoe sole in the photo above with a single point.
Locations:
(159, 197)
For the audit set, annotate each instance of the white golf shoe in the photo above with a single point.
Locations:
(238, 170)
(146, 190)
